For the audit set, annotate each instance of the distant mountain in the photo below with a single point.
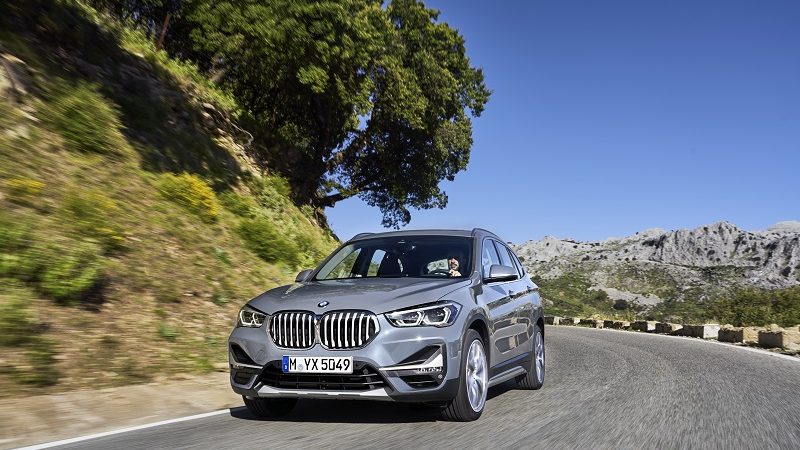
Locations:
(657, 265)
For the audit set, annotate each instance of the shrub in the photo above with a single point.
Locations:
(620, 305)
(273, 192)
(240, 205)
(267, 242)
(192, 193)
(71, 271)
(312, 248)
(24, 191)
(86, 120)
(759, 307)
(92, 212)
(15, 317)
(16, 258)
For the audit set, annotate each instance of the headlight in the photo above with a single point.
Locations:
(441, 314)
(249, 317)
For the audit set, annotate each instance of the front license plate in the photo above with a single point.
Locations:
(317, 364)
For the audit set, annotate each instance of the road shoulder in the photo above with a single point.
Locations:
(37, 419)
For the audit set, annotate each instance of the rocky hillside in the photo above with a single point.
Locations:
(133, 224)
(655, 265)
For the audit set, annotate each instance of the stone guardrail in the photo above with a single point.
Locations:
(771, 337)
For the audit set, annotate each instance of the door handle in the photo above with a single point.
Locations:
(511, 293)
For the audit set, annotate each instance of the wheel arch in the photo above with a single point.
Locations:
(478, 323)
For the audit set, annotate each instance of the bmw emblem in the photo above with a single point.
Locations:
(323, 304)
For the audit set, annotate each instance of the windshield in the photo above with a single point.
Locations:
(402, 256)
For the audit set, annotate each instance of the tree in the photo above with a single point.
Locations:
(349, 98)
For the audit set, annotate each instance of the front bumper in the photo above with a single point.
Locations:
(404, 360)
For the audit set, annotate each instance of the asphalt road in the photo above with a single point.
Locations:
(602, 389)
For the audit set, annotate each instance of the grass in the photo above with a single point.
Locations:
(42, 370)
(168, 332)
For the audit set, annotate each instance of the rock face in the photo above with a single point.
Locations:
(655, 265)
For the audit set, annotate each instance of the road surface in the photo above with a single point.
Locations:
(602, 389)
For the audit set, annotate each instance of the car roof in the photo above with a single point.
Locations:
(479, 232)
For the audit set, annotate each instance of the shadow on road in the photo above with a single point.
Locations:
(355, 411)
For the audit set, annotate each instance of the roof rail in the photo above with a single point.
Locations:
(360, 235)
(476, 230)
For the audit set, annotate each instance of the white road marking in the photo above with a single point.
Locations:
(125, 430)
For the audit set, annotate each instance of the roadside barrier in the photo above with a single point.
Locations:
(773, 337)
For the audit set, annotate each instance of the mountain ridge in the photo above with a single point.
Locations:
(656, 265)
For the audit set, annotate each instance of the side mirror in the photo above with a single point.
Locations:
(303, 275)
(499, 272)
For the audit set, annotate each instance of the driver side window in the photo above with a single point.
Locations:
(489, 256)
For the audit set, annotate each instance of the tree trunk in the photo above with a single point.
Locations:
(164, 27)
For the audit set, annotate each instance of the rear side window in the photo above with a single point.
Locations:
(517, 263)
(505, 258)
(488, 257)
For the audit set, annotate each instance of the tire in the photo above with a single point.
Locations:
(474, 374)
(269, 407)
(534, 379)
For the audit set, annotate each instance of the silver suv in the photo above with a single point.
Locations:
(434, 317)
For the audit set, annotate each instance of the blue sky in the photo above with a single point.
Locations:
(609, 117)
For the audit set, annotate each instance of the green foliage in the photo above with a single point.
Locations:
(184, 72)
(192, 193)
(644, 280)
(86, 120)
(219, 299)
(18, 258)
(745, 307)
(272, 192)
(64, 269)
(241, 205)
(570, 295)
(17, 325)
(24, 191)
(688, 310)
(309, 72)
(222, 255)
(266, 241)
(93, 213)
(71, 271)
(759, 307)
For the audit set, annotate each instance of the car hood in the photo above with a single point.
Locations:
(379, 295)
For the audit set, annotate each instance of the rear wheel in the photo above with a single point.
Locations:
(470, 400)
(534, 379)
(269, 407)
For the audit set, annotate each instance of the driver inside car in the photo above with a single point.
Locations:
(453, 265)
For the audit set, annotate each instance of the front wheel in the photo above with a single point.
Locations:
(534, 379)
(474, 382)
(269, 407)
